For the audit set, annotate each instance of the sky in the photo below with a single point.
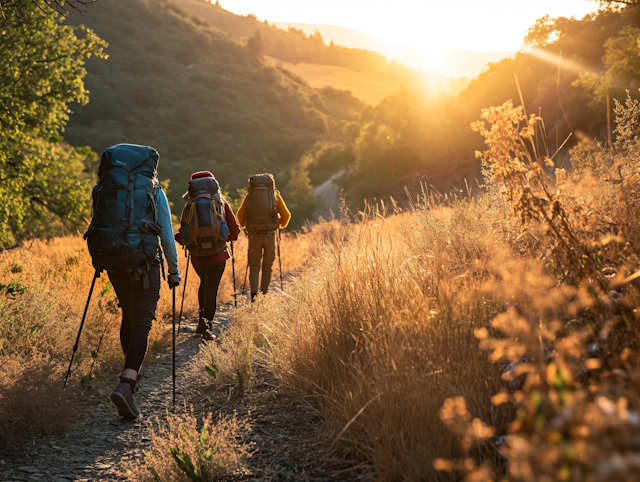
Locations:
(431, 25)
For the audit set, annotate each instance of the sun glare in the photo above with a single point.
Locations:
(566, 64)
(429, 25)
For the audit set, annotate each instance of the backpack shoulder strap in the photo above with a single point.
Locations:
(153, 202)
(131, 188)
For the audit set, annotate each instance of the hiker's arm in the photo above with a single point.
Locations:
(234, 229)
(166, 235)
(283, 211)
(242, 212)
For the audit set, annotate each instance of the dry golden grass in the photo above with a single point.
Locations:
(43, 290)
(381, 332)
(369, 87)
(492, 339)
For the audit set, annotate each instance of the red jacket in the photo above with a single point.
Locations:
(234, 231)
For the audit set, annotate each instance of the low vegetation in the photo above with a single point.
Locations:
(486, 337)
(44, 286)
(43, 291)
(183, 450)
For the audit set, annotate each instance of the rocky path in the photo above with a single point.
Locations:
(101, 443)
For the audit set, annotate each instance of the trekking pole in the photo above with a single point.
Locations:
(244, 283)
(280, 261)
(184, 290)
(84, 316)
(233, 268)
(173, 322)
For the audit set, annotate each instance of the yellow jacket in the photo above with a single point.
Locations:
(281, 209)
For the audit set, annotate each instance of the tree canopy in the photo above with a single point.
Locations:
(42, 71)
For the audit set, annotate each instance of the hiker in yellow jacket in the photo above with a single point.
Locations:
(262, 213)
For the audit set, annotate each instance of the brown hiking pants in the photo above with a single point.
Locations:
(261, 247)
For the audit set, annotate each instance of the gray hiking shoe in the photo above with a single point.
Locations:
(122, 397)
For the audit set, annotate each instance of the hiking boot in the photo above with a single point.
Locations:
(122, 397)
(204, 331)
(141, 373)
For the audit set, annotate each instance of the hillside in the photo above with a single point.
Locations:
(371, 87)
(292, 46)
(201, 99)
(452, 63)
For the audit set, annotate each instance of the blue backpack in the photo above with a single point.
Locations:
(204, 223)
(124, 229)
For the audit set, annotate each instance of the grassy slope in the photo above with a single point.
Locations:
(370, 87)
(195, 95)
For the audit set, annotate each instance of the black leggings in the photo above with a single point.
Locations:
(138, 312)
(210, 277)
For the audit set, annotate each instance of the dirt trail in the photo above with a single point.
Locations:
(329, 194)
(285, 432)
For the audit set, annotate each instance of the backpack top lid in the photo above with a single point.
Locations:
(130, 157)
(199, 174)
(262, 180)
(203, 185)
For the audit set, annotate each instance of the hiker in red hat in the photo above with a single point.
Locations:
(206, 225)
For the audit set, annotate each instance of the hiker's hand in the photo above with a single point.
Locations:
(174, 280)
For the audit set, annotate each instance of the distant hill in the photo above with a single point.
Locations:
(294, 47)
(200, 98)
(452, 63)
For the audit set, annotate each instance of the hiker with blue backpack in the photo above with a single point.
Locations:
(131, 218)
(207, 223)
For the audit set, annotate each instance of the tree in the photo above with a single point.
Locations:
(42, 71)
(255, 45)
(622, 68)
(47, 7)
(632, 5)
(298, 193)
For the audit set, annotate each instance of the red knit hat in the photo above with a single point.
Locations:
(199, 174)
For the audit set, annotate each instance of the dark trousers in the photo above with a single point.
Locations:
(210, 277)
(138, 312)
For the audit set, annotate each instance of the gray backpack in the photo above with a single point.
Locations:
(262, 216)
